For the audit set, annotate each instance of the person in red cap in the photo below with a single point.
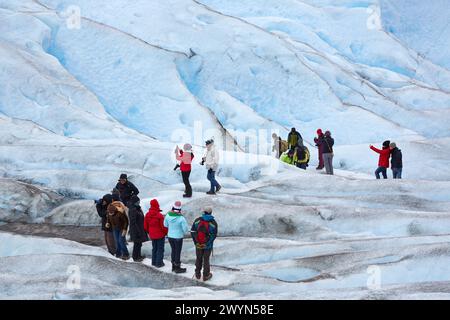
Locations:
(319, 144)
(154, 226)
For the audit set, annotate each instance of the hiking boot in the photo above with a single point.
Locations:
(125, 258)
(207, 277)
(211, 192)
(218, 189)
(140, 259)
(198, 276)
(180, 270)
(160, 266)
(319, 168)
(186, 196)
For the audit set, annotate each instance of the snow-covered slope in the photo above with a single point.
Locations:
(79, 104)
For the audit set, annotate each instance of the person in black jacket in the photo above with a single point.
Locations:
(396, 161)
(137, 232)
(126, 189)
(102, 206)
(327, 153)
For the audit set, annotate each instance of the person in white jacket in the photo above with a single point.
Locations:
(211, 161)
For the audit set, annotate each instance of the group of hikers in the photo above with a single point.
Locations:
(293, 151)
(121, 213)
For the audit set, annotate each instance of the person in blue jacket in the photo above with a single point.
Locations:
(178, 227)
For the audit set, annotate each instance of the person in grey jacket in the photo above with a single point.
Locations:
(327, 153)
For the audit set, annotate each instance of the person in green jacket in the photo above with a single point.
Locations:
(294, 139)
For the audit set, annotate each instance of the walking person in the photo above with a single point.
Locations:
(185, 157)
(383, 161)
(118, 221)
(126, 189)
(154, 226)
(204, 232)
(137, 233)
(294, 139)
(102, 206)
(396, 161)
(211, 160)
(177, 227)
(327, 153)
(319, 144)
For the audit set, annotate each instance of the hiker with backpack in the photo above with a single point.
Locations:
(396, 161)
(154, 226)
(294, 139)
(126, 189)
(211, 161)
(185, 157)
(319, 144)
(279, 145)
(288, 157)
(327, 153)
(383, 161)
(117, 220)
(137, 233)
(204, 232)
(102, 206)
(177, 227)
(301, 157)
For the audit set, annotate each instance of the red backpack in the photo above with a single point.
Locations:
(202, 236)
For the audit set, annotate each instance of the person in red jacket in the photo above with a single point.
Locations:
(154, 226)
(185, 157)
(383, 162)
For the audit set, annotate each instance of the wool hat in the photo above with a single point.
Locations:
(123, 176)
(393, 145)
(207, 210)
(187, 147)
(208, 142)
(386, 143)
(177, 206)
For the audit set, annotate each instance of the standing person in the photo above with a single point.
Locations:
(327, 153)
(383, 161)
(396, 161)
(185, 157)
(177, 226)
(126, 189)
(137, 232)
(154, 225)
(118, 221)
(102, 206)
(301, 157)
(294, 139)
(319, 144)
(211, 160)
(204, 232)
